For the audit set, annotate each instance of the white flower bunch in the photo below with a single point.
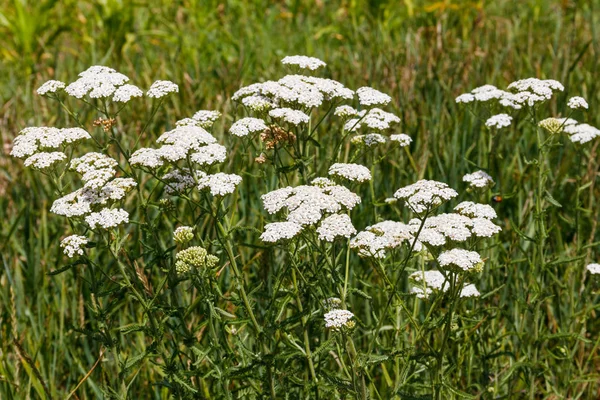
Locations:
(183, 234)
(375, 119)
(277, 231)
(460, 260)
(51, 86)
(219, 184)
(307, 205)
(351, 172)
(370, 97)
(73, 245)
(577, 102)
(43, 161)
(336, 226)
(99, 82)
(425, 194)
(247, 126)
(581, 133)
(39, 139)
(499, 121)
(375, 240)
(338, 319)
(294, 117)
(402, 139)
(476, 210)
(593, 269)
(160, 89)
(107, 218)
(303, 62)
(478, 179)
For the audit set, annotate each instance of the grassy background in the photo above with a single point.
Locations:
(422, 53)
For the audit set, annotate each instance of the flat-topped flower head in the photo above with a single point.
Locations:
(160, 89)
(336, 226)
(126, 92)
(577, 102)
(294, 117)
(499, 121)
(146, 157)
(593, 269)
(220, 183)
(107, 218)
(247, 126)
(258, 103)
(428, 282)
(538, 86)
(73, 245)
(34, 139)
(582, 133)
(552, 125)
(43, 161)
(194, 257)
(425, 194)
(478, 179)
(465, 98)
(351, 172)
(210, 154)
(206, 118)
(370, 97)
(402, 139)
(345, 111)
(375, 119)
(461, 260)
(303, 62)
(338, 319)
(51, 86)
(96, 82)
(476, 210)
(277, 231)
(377, 239)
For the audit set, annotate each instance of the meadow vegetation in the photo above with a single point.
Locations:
(400, 279)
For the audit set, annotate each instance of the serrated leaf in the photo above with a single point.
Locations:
(552, 200)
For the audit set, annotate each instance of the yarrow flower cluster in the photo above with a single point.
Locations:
(161, 89)
(338, 319)
(97, 82)
(478, 179)
(425, 194)
(499, 121)
(336, 226)
(183, 234)
(303, 62)
(370, 97)
(294, 117)
(351, 172)
(203, 118)
(73, 245)
(40, 139)
(374, 119)
(577, 102)
(107, 218)
(194, 257)
(247, 126)
(377, 239)
(220, 183)
(307, 205)
(51, 86)
(593, 269)
(431, 282)
(581, 133)
(461, 260)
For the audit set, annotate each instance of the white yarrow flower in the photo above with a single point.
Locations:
(577, 102)
(425, 194)
(478, 179)
(476, 210)
(460, 259)
(51, 86)
(294, 117)
(593, 269)
(220, 183)
(337, 319)
(469, 291)
(107, 218)
(402, 139)
(124, 93)
(370, 97)
(43, 160)
(73, 245)
(303, 62)
(335, 226)
(499, 121)
(351, 172)
(277, 231)
(246, 126)
(162, 88)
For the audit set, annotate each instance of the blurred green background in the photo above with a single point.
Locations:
(422, 53)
